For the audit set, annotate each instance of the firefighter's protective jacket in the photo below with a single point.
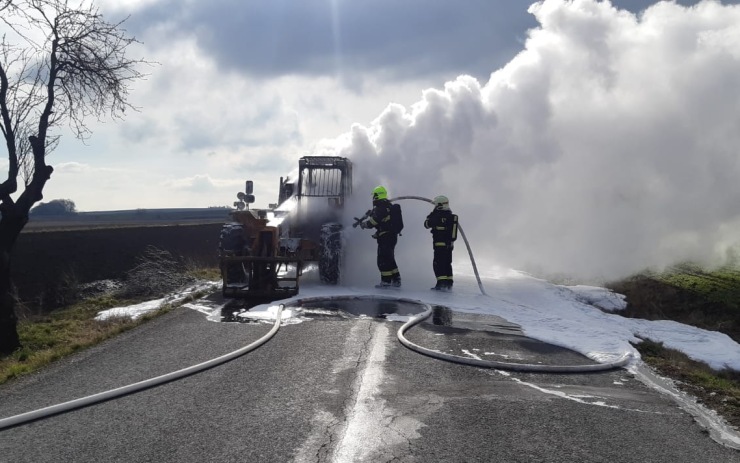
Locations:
(380, 217)
(443, 225)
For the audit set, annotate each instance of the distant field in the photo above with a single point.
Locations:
(126, 218)
(54, 253)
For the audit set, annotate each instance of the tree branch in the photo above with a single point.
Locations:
(78, 70)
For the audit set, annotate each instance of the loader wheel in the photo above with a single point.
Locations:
(231, 243)
(331, 253)
(231, 238)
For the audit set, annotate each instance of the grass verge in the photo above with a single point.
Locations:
(716, 390)
(50, 337)
(693, 296)
(57, 334)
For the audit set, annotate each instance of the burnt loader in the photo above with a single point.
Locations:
(264, 252)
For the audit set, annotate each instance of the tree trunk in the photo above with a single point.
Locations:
(9, 340)
(10, 227)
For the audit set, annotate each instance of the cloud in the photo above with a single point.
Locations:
(208, 109)
(608, 145)
(66, 168)
(197, 106)
(225, 126)
(330, 37)
(95, 188)
(202, 183)
(397, 40)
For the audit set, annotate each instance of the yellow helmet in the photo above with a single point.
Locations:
(380, 193)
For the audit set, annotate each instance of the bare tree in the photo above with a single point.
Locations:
(60, 63)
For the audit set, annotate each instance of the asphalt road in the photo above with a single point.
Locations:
(343, 389)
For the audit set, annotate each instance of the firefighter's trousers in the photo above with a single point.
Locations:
(386, 257)
(442, 263)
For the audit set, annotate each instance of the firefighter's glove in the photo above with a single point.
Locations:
(364, 225)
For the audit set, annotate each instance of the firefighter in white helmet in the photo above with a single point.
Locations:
(443, 225)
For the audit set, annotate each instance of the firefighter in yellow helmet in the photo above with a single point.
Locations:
(443, 225)
(387, 230)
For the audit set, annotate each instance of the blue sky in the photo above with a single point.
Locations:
(583, 135)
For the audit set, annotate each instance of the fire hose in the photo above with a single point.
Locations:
(47, 412)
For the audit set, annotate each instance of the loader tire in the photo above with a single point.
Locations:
(231, 243)
(231, 239)
(331, 253)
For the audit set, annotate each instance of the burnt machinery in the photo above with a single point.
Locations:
(263, 252)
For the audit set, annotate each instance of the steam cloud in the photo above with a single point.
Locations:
(607, 146)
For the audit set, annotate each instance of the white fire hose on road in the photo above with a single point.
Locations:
(46, 412)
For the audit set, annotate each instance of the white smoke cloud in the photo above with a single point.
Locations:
(607, 146)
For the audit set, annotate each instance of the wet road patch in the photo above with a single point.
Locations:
(347, 308)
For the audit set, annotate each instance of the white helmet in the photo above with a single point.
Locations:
(441, 202)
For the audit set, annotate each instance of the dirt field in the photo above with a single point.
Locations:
(45, 261)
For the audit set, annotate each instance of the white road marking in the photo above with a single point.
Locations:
(371, 427)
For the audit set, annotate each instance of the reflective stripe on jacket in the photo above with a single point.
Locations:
(380, 217)
(443, 225)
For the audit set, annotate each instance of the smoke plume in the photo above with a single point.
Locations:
(608, 145)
